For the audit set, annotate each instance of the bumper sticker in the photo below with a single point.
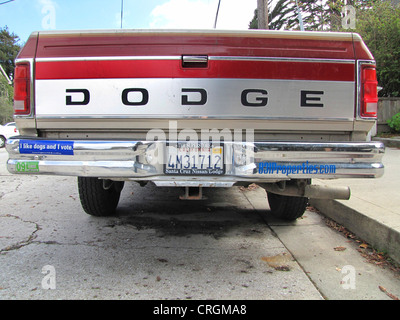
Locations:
(27, 166)
(46, 147)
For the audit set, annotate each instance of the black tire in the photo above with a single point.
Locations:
(98, 198)
(286, 207)
(2, 142)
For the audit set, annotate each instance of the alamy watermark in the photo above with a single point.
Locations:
(49, 280)
(348, 17)
(349, 280)
(202, 148)
(49, 12)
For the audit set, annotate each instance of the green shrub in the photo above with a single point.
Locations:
(6, 101)
(394, 122)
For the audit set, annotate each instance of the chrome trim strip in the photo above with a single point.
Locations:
(345, 36)
(184, 117)
(215, 58)
(109, 58)
(233, 58)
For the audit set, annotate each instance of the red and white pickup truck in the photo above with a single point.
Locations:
(196, 109)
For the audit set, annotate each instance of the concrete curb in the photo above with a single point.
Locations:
(384, 238)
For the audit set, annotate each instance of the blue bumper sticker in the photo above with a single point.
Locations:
(46, 147)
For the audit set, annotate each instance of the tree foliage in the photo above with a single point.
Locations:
(377, 21)
(9, 49)
(283, 15)
(6, 101)
(379, 26)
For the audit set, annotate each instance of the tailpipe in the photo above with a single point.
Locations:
(327, 192)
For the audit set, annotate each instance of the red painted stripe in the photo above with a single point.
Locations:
(289, 44)
(287, 70)
(111, 69)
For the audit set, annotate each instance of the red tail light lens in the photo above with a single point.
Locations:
(22, 89)
(369, 92)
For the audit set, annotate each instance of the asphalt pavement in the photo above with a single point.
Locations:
(373, 210)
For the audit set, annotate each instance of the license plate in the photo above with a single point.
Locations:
(194, 158)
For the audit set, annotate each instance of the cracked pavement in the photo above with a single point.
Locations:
(16, 232)
(159, 247)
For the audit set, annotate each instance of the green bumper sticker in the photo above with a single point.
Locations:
(27, 166)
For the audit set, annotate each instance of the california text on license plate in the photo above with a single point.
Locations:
(194, 158)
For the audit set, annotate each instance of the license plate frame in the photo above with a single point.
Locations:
(194, 159)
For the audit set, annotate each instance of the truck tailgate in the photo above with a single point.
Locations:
(194, 75)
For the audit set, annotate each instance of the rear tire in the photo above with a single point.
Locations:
(2, 142)
(287, 207)
(99, 197)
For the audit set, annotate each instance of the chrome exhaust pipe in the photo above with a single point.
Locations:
(327, 192)
(310, 191)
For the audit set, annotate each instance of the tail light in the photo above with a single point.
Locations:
(369, 92)
(22, 90)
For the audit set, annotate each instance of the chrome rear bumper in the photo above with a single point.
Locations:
(135, 160)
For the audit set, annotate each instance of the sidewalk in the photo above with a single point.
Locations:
(373, 211)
